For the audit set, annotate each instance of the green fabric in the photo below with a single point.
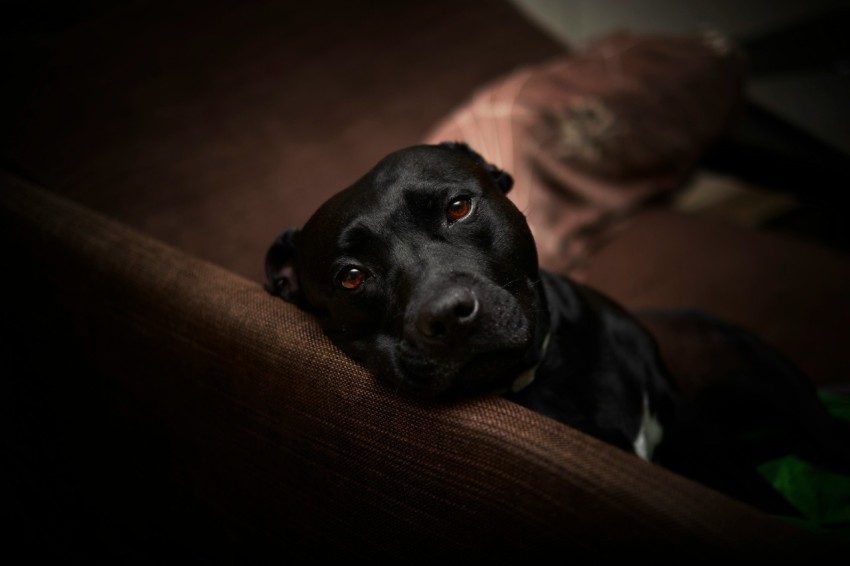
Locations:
(822, 496)
(838, 405)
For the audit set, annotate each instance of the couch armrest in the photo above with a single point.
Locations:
(287, 444)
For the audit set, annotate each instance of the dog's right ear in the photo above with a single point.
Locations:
(281, 274)
(502, 178)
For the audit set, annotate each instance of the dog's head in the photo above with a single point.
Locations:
(423, 269)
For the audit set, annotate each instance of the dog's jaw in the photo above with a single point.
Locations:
(510, 340)
(503, 342)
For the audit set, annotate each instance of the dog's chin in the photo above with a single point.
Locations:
(412, 373)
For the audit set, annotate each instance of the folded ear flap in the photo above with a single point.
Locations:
(503, 179)
(281, 274)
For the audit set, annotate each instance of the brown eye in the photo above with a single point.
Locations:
(351, 278)
(458, 209)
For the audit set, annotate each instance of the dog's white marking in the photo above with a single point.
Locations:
(526, 377)
(649, 435)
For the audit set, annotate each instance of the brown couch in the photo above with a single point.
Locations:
(159, 406)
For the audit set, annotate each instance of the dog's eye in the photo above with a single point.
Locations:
(458, 209)
(351, 278)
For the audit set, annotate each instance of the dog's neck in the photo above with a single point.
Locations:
(536, 353)
(527, 377)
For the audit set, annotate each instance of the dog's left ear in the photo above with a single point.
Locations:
(503, 179)
(281, 274)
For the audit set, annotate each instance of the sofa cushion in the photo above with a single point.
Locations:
(791, 293)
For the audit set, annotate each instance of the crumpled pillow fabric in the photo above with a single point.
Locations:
(592, 136)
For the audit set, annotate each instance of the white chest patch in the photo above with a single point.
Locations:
(649, 435)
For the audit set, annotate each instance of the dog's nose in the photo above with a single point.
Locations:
(448, 315)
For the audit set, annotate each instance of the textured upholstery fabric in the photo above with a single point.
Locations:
(288, 444)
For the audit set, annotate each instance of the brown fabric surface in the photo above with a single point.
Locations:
(594, 135)
(791, 293)
(287, 444)
(213, 126)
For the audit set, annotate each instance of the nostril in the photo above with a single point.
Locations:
(431, 328)
(446, 316)
(466, 307)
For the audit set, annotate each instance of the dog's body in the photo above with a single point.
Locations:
(427, 272)
(599, 372)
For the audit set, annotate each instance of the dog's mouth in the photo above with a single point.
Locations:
(426, 377)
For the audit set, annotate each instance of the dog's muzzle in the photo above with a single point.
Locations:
(459, 331)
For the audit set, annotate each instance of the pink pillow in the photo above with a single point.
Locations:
(593, 136)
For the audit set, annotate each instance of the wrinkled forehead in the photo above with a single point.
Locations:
(402, 186)
(423, 168)
(404, 181)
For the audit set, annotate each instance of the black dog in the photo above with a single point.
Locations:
(427, 272)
